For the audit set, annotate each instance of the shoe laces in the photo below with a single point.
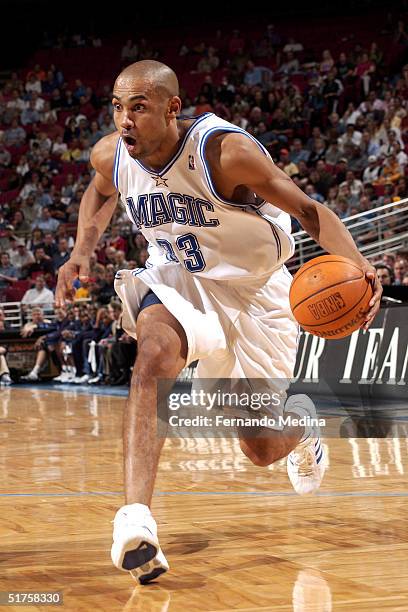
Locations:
(304, 461)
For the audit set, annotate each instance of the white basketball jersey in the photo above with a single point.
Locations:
(183, 217)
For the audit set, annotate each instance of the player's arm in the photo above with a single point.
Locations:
(243, 163)
(96, 210)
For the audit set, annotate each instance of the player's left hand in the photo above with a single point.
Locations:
(371, 275)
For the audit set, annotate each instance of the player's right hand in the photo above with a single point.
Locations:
(76, 267)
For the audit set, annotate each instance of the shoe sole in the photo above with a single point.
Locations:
(149, 577)
(141, 555)
(152, 569)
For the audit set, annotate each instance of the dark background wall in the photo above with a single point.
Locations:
(23, 22)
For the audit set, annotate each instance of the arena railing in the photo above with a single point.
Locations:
(13, 315)
(376, 231)
(16, 316)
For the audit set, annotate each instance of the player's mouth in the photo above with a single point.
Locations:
(130, 142)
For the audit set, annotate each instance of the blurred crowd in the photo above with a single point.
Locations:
(335, 120)
(84, 342)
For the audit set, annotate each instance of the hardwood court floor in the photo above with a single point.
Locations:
(236, 536)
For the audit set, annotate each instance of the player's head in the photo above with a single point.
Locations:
(146, 103)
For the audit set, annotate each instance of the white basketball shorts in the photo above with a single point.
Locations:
(235, 328)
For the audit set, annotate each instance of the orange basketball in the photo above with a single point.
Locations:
(329, 296)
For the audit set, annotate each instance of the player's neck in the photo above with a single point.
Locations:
(168, 147)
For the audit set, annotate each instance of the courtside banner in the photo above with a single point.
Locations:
(372, 364)
(359, 386)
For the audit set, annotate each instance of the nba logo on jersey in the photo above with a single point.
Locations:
(191, 162)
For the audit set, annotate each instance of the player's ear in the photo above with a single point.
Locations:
(174, 107)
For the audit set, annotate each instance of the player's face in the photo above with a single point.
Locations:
(140, 115)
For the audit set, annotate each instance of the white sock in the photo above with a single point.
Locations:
(36, 369)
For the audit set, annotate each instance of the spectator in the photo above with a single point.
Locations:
(58, 147)
(21, 227)
(290, 65)
(372, 171)
(311, 191)
(49, 345)
(401, 156)
(333, 155)
(37, 322)
(104, 347)
(365, 69)
(137, 242)
(46, 223)
(209, 62)
(332, 195)
(298, 153)
(82, 292)
(351, 136)
(83, 342)
(4, 324)
(62, 254)
(38, 295)
(107, 292)
(122, 357)
(8, 238)
(327, 62)
(16, 102)
(8, 273)
(21, 258)
(36, 240)
(15, 135)
(355, 185)
(129, 52)
(30, 114)
(30, 209)
(384, 274)
(318, 151)
(95, 133)
(5, 378)
(332, 89)
(115, 240)
(391, 171)
(42, 264)
(5, 156)
(400, 270)
(289, 167)
(31, 185)
(293, 46)
(107, 126)
(33, 84)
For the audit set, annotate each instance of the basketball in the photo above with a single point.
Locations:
(329, 296)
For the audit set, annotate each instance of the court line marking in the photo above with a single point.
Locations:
(223, 493)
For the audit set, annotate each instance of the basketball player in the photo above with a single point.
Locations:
(216, 212)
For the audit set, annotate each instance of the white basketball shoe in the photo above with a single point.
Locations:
(135, 545)
(306, 464)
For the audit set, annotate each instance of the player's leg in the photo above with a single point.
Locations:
(265, 446)
(162, 351)
(275, 339)
(306, 461)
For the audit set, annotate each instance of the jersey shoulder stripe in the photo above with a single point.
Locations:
(204, 138)
(115, 171)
